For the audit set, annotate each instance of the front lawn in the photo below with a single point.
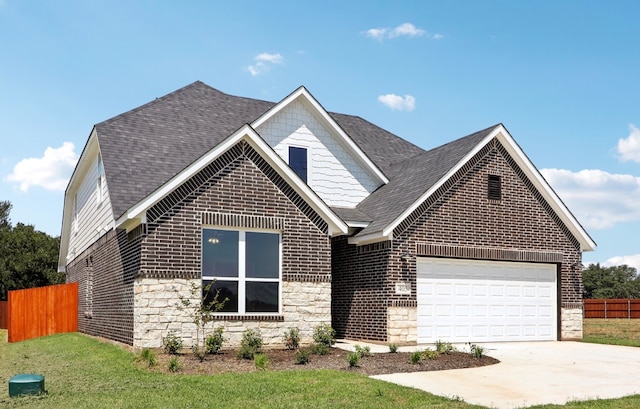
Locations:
(615, 331)
(81, 372)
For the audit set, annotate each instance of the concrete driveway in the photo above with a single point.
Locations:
(533, 373)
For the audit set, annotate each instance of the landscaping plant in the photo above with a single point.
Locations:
(172, 343)
(251, 344)
(353, 358)
(301, 356)
(292, 338)
(324, 334)
(214, 341)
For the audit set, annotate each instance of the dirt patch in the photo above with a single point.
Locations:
(284, 360)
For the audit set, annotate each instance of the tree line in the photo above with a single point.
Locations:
(610, 282)
(28, 258)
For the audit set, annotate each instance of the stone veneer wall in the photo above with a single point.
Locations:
(156, 313)
(402, 325)
(571, 322)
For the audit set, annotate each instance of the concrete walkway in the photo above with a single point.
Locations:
(534, 373)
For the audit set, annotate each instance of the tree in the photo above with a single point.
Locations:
(610, 282)
(28, 258)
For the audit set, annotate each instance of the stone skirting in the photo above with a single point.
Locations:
(570, 323)
(402, 325)
(156, 312)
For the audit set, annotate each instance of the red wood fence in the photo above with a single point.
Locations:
(3, 315)
(36, 312)
(612, 308)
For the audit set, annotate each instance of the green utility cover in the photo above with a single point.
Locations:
(26, 384)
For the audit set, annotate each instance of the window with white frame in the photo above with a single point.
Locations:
(242, 266)
(99, 187)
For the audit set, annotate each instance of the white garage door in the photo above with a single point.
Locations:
(485, 301)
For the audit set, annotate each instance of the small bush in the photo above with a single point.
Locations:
(430, 354)
(393, 348)
(301, 356)
(476, 351)
(174, 364)
(353, 358)
(292, 338)
(149, 357)
(415, 357)
(251, 344)
(444, 347)
(214, 341)
(198, 353)
(172, 343)
(324, 334)
(261, 361)
(319, 349)
(363, 351)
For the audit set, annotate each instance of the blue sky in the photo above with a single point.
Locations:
(561, 75)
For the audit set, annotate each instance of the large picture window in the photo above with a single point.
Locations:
(244, 266)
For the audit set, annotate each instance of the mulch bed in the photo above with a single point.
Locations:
(283, 360)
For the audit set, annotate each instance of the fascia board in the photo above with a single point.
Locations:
(369, 238)
(138, 211)
(305, 96)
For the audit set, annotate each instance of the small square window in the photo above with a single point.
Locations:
(494, 191)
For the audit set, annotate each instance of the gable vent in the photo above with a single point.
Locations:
(494, 191)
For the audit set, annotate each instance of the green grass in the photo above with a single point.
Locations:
(619, 331)
(82, 372)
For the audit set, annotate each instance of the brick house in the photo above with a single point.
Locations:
(301, 216)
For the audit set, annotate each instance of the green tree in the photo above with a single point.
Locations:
(611, 282)
(28, 258)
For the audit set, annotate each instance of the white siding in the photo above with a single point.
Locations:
(94, 218)
(334, 172)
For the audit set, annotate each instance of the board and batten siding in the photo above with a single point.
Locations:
(94, 217)
(334, 173)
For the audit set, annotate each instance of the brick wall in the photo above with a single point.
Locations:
(456, 221)
(105, 273)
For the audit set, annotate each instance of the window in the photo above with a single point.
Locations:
(244, 266)
(99, 187)
(494, 191)
(298, 161)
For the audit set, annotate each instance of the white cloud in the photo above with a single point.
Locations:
(631, 261)
(629, 148)
(50, 172)
(264, 62)
(398, 103)
(598, 199)
(403, 30)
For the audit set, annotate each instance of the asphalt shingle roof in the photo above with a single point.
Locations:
(144, 148)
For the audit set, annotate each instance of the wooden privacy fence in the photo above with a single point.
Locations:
(3, 315)
(36, 312)
(612, 308)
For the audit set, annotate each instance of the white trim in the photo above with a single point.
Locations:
(247, 133)
(499, 132)
(305, 96)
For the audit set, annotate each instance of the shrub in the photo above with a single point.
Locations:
(324, 334)
(363, 351)
(149, 357)
(302, 356)
(214, 341)
(393, 348)
(415, 357)
(444, 347)
(198, 352)
(430, 354)
(353, 358)
(319, 349)
(174, 364)
(172, 343)
(261, 361)
(292, 338)
(476, 350)
(251, 344)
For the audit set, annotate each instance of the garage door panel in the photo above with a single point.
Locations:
(485, 301)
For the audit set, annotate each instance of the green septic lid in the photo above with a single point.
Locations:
(26, 377)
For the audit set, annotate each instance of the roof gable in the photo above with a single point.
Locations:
(416, 179)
